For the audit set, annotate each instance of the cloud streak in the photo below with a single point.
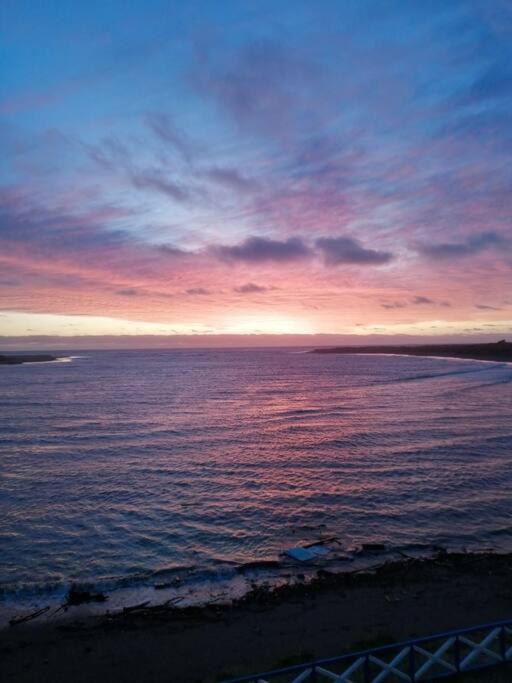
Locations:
(366, 177)
(250, 288)
(348, 251)
(470, 246)
(263, 250)
(171, 136)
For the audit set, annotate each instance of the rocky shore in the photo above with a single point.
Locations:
(267, 628)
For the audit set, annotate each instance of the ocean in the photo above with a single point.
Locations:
(126, 470)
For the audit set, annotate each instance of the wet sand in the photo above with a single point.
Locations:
(267, 628)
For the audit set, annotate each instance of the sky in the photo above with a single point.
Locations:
(242, 167)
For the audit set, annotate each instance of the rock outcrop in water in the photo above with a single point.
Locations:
(499, 351)
(18, 360)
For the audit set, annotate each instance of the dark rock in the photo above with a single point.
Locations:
(257, 564)
(373, 547)
(79, 597)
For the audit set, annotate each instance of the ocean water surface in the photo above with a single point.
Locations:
(127, 468)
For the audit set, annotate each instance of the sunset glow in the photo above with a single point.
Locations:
(331, 169)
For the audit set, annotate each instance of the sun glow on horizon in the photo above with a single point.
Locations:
(25, 325)
(268, 323)
(277, 179)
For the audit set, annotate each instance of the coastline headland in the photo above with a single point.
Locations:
(19, 359)
(498, 351)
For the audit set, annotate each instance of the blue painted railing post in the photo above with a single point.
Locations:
(457, 653)
(450, 653)
(412, 664)
(503, 643)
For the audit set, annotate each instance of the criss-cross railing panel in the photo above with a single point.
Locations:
(414, 661)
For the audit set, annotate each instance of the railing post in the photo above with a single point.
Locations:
(503, 644)
(367, 669)
(412, 664)
(458, 653)
(456, 648)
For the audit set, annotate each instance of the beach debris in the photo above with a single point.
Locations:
(323, 541)
(27, 617)
(301, 528)
(79, 597)
(373, 547)
(306, 553)
(313, 550)
(172, 601)
(257, 564)
(175, 583)
(391, 598)
(136, 608)
(144, 609)
(219, 598)
(324, 574)
(179, 568)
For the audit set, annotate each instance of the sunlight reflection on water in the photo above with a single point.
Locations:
(119, 463)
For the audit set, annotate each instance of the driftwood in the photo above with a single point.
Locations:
(258, 564)
(143, 609)
(28, 617)
(373, 547)
(322, 541)
(136, 608)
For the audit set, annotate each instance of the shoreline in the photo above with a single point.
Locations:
(24, 359)
(492, 352)
(196, 587)
(500, 352)
(266, 628)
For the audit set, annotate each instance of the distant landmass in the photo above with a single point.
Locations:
(498, 351)
(18, 360)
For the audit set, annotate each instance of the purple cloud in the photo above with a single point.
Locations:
(264, 87)
(416, 301)
(170, 250)
(453, 250)
(129, 291)
(155, 180)
(197, 291)
(393, 305)
(338, 250)
(261, 250)
(250, 288)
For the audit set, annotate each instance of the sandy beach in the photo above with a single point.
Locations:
(332, 614)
